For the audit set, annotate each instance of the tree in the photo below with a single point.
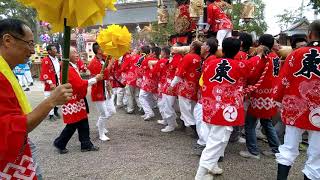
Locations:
(257, 24)
(14, 9)
(161, 33)
(315, 5)
(288, 18)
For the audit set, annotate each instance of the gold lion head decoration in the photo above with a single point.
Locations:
(248, 9)
(163, 15)
(196, 8)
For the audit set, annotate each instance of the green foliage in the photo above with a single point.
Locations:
(315, 5)
(257, 24)
(161, 33)
(288, 18)
(14, 9)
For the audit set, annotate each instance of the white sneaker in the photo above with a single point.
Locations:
(162, 122)
(144, 116)
(247, 154)
(167, 129)
(203, 174)
(104, 138)
(241, 140)
(105, 131)
(148, 117)
(216, 170)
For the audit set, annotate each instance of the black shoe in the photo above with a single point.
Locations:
(306, 178)
(27, 89)
(61, 151)
(52, 118)
(220, 159)
(56, 113)
(283, 172)
(31, 84)
(23, 86)
(92, 148)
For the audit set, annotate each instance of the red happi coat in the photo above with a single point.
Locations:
(183, 13)
(217, 18)
(189, 70)
(13, 133)
(222, 93)
(170, 72)
(126, 65)
(241, 56)
(81, 66)
(299, 84)
(262, 104)
(116, 75)
(98, 90)
(149, 80)
(47, 73)
(134, 73)
(75, 109)
(159, 72)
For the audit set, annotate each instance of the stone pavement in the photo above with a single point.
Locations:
(138, 150)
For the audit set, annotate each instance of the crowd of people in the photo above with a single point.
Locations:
(217, 97)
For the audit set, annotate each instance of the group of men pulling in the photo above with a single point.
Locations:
(215, 95)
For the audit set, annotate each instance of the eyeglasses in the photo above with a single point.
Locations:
(30, 43)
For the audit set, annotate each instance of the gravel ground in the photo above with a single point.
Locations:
(138, 150)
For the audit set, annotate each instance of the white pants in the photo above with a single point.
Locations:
(161, 106)
(186, 108)
(132, 94)
(222, 34)
(46, 95)
(217, 142)
(118, 96)
(202, 127)
(106, 109)
(23, 80)
(290, 150)
(169, 113)
(147, 102)
(28, 76)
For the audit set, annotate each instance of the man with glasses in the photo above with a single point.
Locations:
(17, 118)
(50, 74)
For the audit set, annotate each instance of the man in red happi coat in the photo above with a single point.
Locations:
(17, 119)
(262, 106)
(100, 92)
(299, 87)
(50, 75)
(75, 111)
(224, 80)
(149, 85)
(218, 20)
(188, 73)
(169, 95)
(134, 77)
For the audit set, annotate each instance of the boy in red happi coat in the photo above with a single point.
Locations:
(299, 87)
(224, 80)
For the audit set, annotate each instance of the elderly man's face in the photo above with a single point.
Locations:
(19, 47)
(73, 55)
